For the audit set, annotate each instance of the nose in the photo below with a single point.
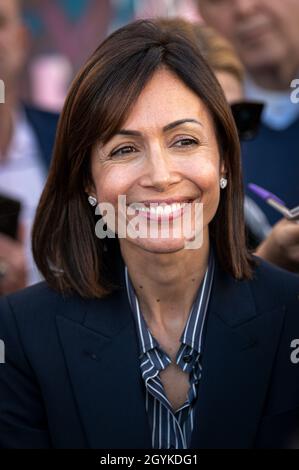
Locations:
(244, 8)
(159, 172)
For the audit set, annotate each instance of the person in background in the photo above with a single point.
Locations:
(278, 244)
(26, 141)
(265, 34)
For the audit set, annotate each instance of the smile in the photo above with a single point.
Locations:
(160, 211)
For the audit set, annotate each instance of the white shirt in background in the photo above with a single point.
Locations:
(280, 112)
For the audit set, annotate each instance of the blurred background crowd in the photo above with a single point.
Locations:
(65, 32)
(253, 47)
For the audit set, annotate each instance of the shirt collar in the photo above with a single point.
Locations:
(279, 112)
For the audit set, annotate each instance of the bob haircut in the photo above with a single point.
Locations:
(65, 247)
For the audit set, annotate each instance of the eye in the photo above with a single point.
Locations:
(187, 142)
(123, 151)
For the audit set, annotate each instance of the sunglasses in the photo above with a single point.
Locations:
(247, 115)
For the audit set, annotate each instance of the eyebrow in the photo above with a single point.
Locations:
(170, 126)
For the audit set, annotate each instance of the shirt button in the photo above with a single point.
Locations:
(187, 359)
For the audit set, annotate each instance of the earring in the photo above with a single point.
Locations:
(92, 201)
(223, 183)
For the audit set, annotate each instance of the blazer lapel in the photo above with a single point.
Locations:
(102, 359)
(237, 359)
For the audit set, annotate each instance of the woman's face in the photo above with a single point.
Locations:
(167, 152)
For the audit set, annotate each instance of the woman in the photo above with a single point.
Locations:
(148, 341)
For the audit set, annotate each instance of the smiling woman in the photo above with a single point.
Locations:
(139, 341)
(157, 161)
(137, 84)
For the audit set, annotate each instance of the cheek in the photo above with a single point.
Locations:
(205, 174)
(110, 183)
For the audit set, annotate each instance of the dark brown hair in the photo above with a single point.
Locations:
(65, 246)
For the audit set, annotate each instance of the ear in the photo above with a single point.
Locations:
(223, 169)
(89, 186)
(90, 190)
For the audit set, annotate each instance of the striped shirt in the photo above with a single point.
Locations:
(172, 429)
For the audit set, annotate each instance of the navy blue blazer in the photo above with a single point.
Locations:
(72, 377)
(44, 126)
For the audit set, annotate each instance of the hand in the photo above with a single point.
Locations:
(281, 247)
(13, 269)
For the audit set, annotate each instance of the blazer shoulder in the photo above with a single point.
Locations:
(266, 271)
(38, 305)
(280, 285)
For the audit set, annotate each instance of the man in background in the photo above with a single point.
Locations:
(26, 141)
(265, 34)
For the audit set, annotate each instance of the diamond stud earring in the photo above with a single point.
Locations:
(223, 183)
(92, 201)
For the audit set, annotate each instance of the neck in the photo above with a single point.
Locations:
(277, 77)
(166, 284)
(6, 124)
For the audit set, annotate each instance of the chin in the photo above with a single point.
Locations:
(160, 245)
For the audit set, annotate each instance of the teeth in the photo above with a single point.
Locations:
(161, 210)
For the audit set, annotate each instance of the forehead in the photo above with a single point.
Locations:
(166, 99)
